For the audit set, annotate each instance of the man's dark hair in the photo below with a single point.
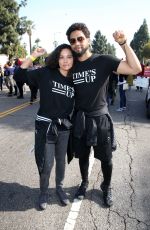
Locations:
(78, 26)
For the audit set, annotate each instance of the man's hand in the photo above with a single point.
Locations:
(119, 36)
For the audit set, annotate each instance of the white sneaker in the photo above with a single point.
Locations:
(124, 108)
(119, 110)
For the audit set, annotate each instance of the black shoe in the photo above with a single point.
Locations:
(107, 195)
(20, 97)
(31, 101)
(9, 95)
(80, 194)
(43, 201)
(62, 196)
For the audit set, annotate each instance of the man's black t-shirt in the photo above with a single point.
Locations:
(56, 91)
(90, 79)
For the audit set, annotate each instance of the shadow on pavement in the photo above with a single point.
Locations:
(17, 197)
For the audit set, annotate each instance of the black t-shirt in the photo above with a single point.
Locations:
(90, 78)
(56, 91)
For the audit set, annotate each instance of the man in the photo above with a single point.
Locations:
(92, 122)
(1, 77)
(112, 87)
(10, 83)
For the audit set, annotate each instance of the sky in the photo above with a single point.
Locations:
(52, 19)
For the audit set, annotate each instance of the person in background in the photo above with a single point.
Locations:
(52, 125)
(18, 83)
(93, 125)
(130, 79)
(34, 91)
(10, 83)
(1, 78)
(122, 92)
(33, 88)
(112, 88)
(139, 79)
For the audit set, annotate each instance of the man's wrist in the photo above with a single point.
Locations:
(123, 43)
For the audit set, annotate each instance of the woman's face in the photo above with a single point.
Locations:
(65, 60)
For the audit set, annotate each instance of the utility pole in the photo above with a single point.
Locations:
(55, 40)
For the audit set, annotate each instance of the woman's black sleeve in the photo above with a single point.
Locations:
(20, 75)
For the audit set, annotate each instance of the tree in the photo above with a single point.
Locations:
(29, 28)
(9, 24)
(37, 42)
(111, 49)
(146, 51)
(22, 26)
(26, 26)
(141, 37)
(100, 45)
(9, 20)
(23, 3)
(21, 51)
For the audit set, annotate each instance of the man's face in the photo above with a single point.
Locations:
(79, 43)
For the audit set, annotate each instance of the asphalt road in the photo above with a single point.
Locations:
(19, 181)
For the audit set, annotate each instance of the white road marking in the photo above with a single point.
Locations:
(75, 208)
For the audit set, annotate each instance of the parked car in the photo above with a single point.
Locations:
(147, 100)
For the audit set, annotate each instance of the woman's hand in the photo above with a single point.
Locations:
(38, 52)
(35, 54)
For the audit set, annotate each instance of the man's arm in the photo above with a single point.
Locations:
(131, 65)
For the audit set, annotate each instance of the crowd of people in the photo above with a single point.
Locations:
(73, 115)
(14, 87)
(120, 83)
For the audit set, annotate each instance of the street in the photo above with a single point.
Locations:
(19, 180)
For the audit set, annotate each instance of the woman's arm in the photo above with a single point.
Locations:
(21, 74)
(35, 54)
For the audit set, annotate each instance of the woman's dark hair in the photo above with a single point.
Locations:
(52, 60)
(78, 26)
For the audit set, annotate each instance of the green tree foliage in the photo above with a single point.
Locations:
(10, 26)
(22, 25)
(23, 3)
(146, 51)
(141, 37)
(8, 22)
(100, 45)
(20, 51)
(111, 49)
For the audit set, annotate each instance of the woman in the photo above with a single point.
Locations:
(52, 125)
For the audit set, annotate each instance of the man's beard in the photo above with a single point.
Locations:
(81, 53)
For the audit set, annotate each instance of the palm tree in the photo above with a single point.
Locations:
(37, 42)
(30, 26)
